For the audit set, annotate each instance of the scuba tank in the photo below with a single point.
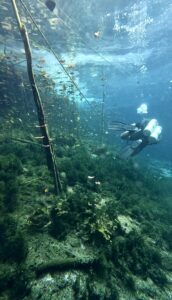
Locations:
(150, 127)
(155, 135)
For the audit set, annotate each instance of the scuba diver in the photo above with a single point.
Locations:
(147, 132)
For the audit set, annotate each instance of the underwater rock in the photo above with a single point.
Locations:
(128, 224)
(62, 286)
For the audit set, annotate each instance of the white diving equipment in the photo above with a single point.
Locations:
(150, 127)
(155, 135)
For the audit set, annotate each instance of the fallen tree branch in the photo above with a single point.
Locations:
(40, 112)
(65, 264)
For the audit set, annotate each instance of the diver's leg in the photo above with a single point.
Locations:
(133, 149)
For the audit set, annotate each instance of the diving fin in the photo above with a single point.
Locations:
(120, 126)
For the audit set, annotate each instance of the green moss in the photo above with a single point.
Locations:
(99, 289)
(70, 212)
(137, 257)
(76, 166)
(167, 236)
(39, 219)
(91, 213)
(12, 244)
(10, 168)
(158, 276)
(11, 165)
(13, 281)
(7, 276)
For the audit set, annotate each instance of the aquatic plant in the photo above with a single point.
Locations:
(15, 289)
(69, 211)
(167, 236)
(10, 168)
(138, 257)
(12, 243)
(39, 219)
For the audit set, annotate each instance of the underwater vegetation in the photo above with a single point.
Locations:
(106, 236)
(117, 218)
(10, 168)
(13, 246)
(108, 206)
(78, 222)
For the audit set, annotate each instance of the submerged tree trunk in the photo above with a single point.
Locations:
(43, 127)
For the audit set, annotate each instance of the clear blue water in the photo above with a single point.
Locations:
(130, 60)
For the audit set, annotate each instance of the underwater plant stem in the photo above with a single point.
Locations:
(25, 141)
(103, 115)
(40, 112)
(102, 121)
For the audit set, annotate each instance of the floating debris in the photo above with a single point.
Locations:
(91, 177)
(97, 34)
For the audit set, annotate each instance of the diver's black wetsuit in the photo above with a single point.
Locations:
(141, 144)
(133, 133)
(139, 140)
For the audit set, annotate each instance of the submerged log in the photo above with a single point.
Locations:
(66, 265)
(43, 127)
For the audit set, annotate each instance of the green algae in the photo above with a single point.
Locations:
(123, 220)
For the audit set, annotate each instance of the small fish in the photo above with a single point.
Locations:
(50, 4)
